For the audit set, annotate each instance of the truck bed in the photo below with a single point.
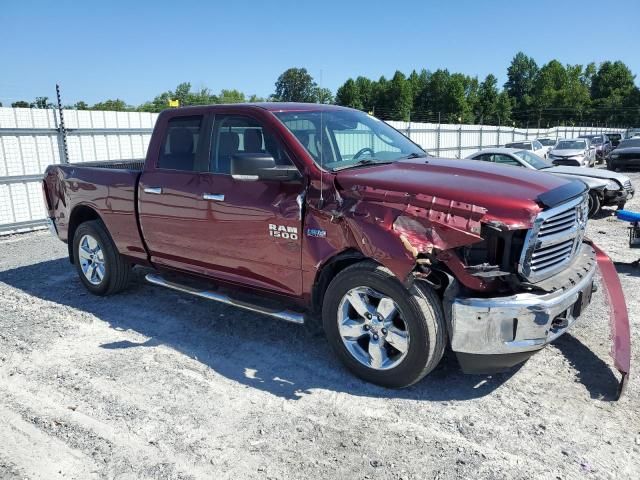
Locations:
(109, 188)
(135, 165)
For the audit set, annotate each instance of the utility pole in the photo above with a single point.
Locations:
(62, 131)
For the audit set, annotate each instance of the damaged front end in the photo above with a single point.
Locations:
(509, 288)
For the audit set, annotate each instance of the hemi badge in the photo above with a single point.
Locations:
(316, 232)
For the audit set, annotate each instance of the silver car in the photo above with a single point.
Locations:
(606, 188)
(574, 152)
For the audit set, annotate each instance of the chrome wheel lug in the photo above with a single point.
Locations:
(366, 327)
(384, 331)
(375, 336)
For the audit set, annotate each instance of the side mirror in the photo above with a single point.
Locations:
(260, 166)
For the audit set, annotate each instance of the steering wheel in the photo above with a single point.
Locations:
(362, 151)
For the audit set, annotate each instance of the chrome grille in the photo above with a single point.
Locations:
(554, 240)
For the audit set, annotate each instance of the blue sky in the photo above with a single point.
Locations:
(136, 49)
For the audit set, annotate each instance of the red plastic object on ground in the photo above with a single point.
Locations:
(618, 317)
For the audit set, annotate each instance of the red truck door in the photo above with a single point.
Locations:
(196, 217)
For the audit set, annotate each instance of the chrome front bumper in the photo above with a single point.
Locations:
(519, 323)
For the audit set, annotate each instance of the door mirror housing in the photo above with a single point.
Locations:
(260, 166)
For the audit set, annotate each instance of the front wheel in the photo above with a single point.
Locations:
(100, 266)
(381, 331)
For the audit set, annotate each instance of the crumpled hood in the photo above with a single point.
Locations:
(589, 172)
(567, 153)
(510, 195)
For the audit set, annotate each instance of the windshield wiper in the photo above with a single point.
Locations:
(415, 155)
(364, 162)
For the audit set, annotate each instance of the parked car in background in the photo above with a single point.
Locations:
(626, 155)
(601, 144)
(547, 143)
(576, 152)
(632, 132)
(532, 145)
(605, 188)
(615, 139)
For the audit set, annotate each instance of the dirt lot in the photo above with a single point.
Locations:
(155, 384)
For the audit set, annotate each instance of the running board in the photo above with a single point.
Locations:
(286, 315)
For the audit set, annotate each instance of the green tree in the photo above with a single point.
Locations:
(367, 89)
(231, 96)
(418, 82)
(80, 105)
(323, 95)
(41, 102)
(399, 97)
(613, 79)
(445, 94)
(504, 109)
(521, 77)
(20, 104)
(348, 95)
(295, 85)
(116, 105)
(487, 106)
(185, 97)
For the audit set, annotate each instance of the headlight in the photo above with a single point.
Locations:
(615, 155)
(612, 185)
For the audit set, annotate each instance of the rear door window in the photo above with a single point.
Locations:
(181, 146)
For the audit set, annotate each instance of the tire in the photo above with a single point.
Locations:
(594, 204)
(107, 271)
(419, 317)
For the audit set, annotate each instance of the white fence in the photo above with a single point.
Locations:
(459, 141)
(30, 139)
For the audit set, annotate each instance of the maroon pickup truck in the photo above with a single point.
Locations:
(306, 212)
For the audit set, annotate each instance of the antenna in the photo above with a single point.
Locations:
(321, 203)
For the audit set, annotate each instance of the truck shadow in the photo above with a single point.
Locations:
(593, 372)
(283, 359)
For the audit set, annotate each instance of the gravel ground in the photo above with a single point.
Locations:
(154, 384)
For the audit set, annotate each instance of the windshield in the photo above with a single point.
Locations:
(633, 143)
(532, 159)
(571, 145)
(547, 142)
(525, 145)
(595, 140)
(349, 138)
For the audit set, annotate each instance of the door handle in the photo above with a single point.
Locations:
(216, 197)
(154, 190)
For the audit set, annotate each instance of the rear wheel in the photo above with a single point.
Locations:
(381, 331)
(594, 204)
(100, 267)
